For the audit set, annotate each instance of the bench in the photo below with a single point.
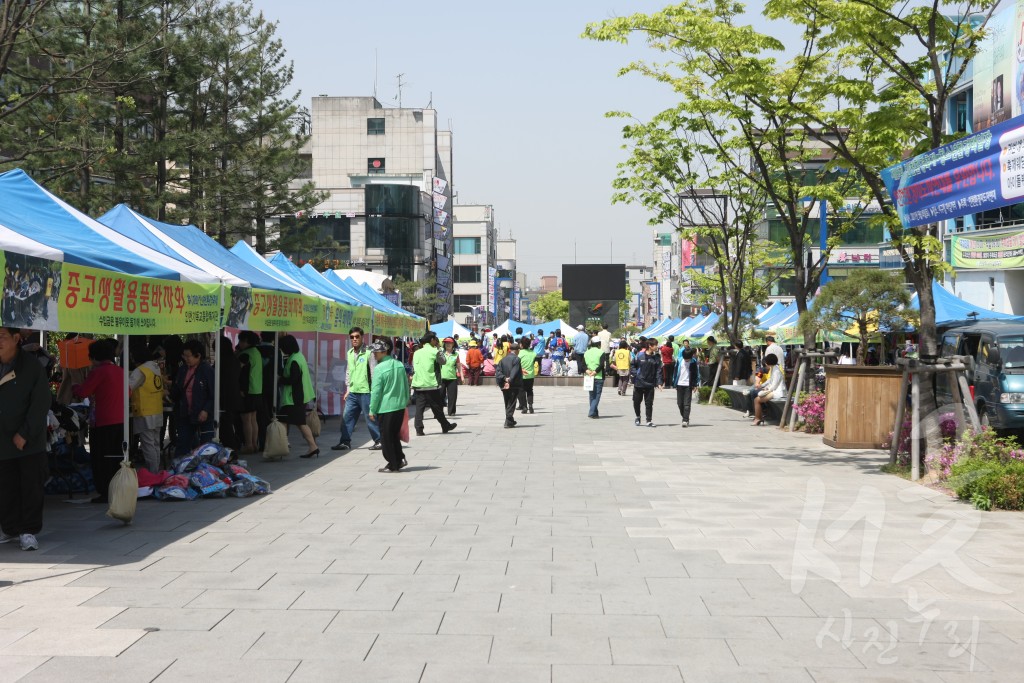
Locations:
(738, 396)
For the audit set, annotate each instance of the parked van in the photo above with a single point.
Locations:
(997, 381)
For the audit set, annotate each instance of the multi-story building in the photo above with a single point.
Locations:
(387, 173)
(635, 277)
(475, 257)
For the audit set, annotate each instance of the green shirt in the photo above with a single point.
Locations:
(528, 359)
(390, 390)
(308, 392)
(254, 360)
(358, 375)
(423, 363)
(593, 360)
(450, 368)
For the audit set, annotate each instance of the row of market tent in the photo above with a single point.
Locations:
(125, 273)
(780, 319)
(450, 328)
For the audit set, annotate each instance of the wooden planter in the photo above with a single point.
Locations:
(860, 405)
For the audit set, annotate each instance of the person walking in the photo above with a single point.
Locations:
(668, 365)
(25, 397)
(558, 348)
(104, 387)
(647, 365)
(606, 338)
(773, 387)
(296, 391)
(621, 361)
(528, 361)
(508, 374)
(474, 363)
(389, 399)
(685, 382)
(250, 379)
(147, 405)
(450, 374)
(425, 387)
(595, 361)
(358, 381)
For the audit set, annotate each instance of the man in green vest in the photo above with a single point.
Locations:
(250, 362)
(358, 380)
(528, 359)
(426, 364)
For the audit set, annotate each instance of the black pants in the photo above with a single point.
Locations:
(431, 398)
(645, 395)
(510, 396)
(21, 493)
(451, 392)
(684, 397)
(526, 394)
(712, 371)
(390, 445)
(105, 454)
(668, 374)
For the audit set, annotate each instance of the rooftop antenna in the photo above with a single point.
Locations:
(374, 73)
(400, 84)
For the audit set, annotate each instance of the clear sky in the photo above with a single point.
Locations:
(524, 95)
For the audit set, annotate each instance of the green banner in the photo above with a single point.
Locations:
(49, 295)
(340, 318)
(1003, 250)
(264, 310)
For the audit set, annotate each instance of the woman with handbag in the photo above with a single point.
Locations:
(193, 399)
(772, 388)
(297, 391)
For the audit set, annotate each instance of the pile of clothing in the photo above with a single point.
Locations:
(206, 472)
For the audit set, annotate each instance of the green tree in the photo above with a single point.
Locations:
(735, 107)
(419, 297)
(550, 307)
(866, 298)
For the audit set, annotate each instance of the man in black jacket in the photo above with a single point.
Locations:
(24, 402)
(648, 376)
(509, 376)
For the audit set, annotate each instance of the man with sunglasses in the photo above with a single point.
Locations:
(359, 379)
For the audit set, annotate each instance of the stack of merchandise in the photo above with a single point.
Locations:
(206, 472)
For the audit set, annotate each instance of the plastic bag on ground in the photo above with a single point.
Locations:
(123, 493)
(277, 442)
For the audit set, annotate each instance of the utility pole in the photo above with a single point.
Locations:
(400, 84)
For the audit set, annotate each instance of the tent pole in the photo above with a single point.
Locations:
(316, 370)
(217, 366)
(275, 369)
(126, 427)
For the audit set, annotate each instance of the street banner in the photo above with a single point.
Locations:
(264, 310)
(440, 200)
(990, 252)
(440, 217)
(440, 185)
(973, 174)
(42, 294)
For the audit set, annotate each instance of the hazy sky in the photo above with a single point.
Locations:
(524, 95)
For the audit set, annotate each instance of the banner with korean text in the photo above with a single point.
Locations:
(977, 173)
(263, 310)
(990, 252)
(50, 295)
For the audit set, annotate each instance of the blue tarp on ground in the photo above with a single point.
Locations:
(34, 222)
(192, 245)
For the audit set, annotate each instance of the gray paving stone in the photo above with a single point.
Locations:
(165, 618)
(448, 672)
(462, 649)
(265, 671)
(704, 653)
(483, 623)
(584, 673)
(318, 670)
(90, 669)
(510, 649)
(304, 644)
(269, 620)
(385, 623)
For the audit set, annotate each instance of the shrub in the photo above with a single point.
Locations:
(722, 398)
(987, 470)
(811, 407)
(704, 392)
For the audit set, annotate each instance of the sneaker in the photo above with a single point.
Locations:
(637, 422)
(29, 542)
(686, 423)
(375, 446)
(650, 424)
(6, 538)
(341, 447)
(746, 413)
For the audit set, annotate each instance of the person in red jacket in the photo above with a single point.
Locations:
(104, 387)
(668, 363)
(474, 363)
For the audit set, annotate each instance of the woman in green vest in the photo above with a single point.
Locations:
(450, 374)
(296, 391)
(250, 362)
(528, 359)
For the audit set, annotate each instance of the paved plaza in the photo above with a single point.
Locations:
(564, 550)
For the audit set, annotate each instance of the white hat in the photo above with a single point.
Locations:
(595, 340)
(579, 327)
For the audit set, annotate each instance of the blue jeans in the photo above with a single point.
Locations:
(558, 366)
(595, 396)
(356, 405)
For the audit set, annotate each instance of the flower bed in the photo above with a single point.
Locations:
(811, 409)
(983, 468)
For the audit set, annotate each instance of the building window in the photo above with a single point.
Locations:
(467, 245)
(466, 274)
(466, 300)
(375, 126)
(375, 165)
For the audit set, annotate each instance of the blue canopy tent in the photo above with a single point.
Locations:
(685, 329)
(450, 328)
(950, 308)
(781, 313)
(655, 328)
(34, 222)
(769, 312)
(321, 287)
(366, 294)
(704, 328)
(189, 243)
